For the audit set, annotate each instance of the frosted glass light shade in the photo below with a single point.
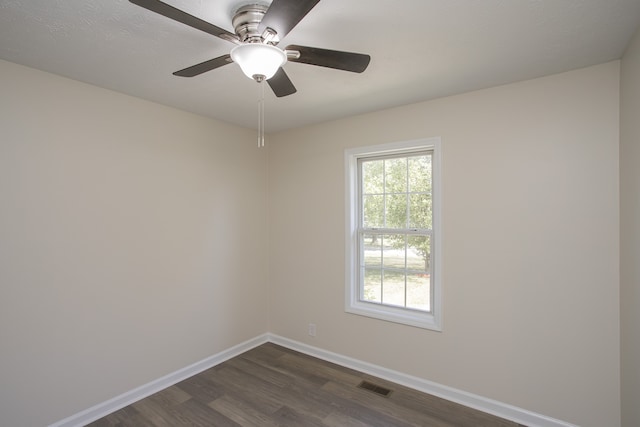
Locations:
(257, 59)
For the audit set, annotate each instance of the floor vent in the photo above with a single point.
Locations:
(382, 391)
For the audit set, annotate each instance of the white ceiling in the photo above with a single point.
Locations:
(420, 49)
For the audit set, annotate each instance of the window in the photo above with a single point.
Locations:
(393, 232)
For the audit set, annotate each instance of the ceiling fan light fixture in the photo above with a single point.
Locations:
(258, 61)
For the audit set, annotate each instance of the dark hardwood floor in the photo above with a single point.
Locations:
(274, 386)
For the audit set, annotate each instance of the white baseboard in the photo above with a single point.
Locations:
(503, 410)
(102, 409)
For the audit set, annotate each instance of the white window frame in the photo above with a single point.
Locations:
(353, 304)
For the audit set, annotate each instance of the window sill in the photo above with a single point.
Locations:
(403, 316)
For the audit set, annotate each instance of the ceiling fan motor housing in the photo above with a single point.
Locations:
(246, 21)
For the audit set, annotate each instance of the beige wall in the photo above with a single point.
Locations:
(131, 243)
(630, 233)
(531, 243)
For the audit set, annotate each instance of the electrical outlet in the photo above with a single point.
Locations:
(312, 329)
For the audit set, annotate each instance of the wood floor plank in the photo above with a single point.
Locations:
(157, 414)
(170, 396)
(200, 388)
(272, 376)
(274, 386)
(338, 419)
(195, 414)
(293, 367)
(141, 421)
(287, 390)
(242, 413)
(289, 417)
(259, 397)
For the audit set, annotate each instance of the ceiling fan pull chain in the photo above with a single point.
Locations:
(261, 115)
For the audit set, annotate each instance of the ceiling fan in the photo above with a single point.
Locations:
(258, 30)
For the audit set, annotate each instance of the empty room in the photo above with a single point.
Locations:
(320, 212)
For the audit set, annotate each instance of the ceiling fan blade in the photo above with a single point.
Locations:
(347, 61)
(283, 15)
(281, 85)
(183, 17)
(205, 66)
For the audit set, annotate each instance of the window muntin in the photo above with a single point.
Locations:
(393, 236)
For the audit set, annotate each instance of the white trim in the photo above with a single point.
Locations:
(494, 407)
(105, 408)
(353, 305)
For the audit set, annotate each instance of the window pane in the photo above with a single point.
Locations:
(419, 253)
(372, 245)
(393, 251)
(396, 213)
(372, 177)
(419, 291)
(420, 211)
(373, 207)
(393, 288)
(396, 175)
(372, 286)
(420, 174)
